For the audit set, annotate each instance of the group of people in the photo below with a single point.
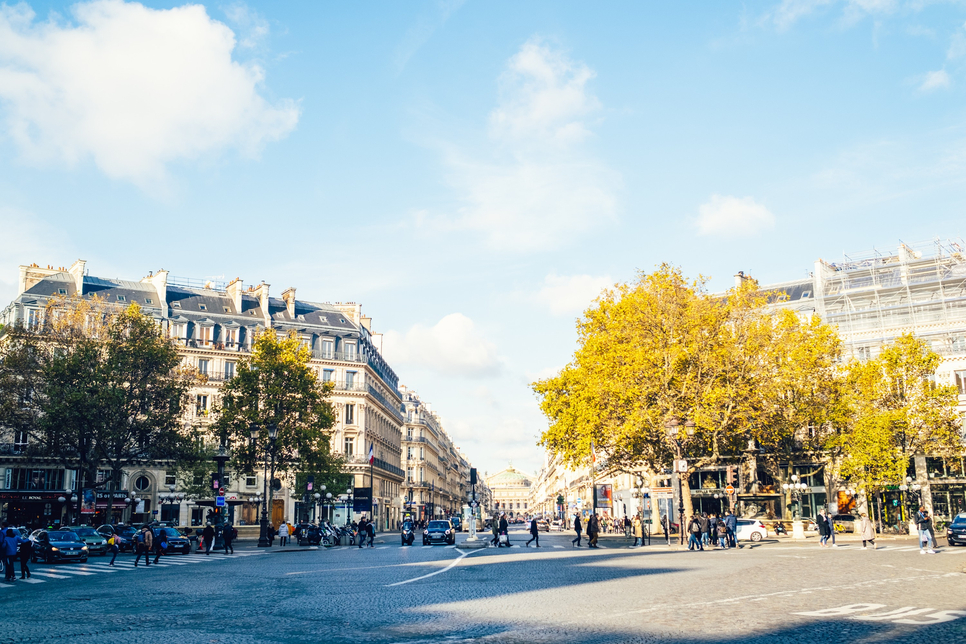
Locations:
(366, 530)
(13, 546)
(593, 530)
(714, 531)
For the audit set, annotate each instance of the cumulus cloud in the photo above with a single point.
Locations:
(534, 187)
(453, 346)
(733, 217)
(131, 88)
(564, 294)
(935, 80)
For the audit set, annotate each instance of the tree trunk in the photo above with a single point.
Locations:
(686, 498)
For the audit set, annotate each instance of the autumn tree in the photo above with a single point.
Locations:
(275, 386)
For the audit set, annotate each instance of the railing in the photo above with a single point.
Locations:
(377, 462)
(394, 409)
(340, 356)
(341, 385)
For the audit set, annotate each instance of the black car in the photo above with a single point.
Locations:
(57, 545)
(125, 534)
(956, 531)
(408, 533)
(177, 542)
(439, 532)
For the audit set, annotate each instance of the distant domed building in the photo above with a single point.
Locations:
(510, 489)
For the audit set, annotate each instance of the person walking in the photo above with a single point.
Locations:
(144, 542)
(504, 530)
(924, 525)
(160, 544)
(831, 528)
(209, 536)
(371, 531)
(694, 533)
(577, 528)
(8, 550)
(705, 529)
(593, 530)
(282, 535)
(363, 531)
(228, 537)
(495, 529)
(534, 532)
(666, 524)
(722, 529)
(713, 527)
(823, 529)
(114, 547)
(867, 531)
(731, 523)
(638, 531)
(26, 552)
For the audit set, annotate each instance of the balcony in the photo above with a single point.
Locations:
(378, 463)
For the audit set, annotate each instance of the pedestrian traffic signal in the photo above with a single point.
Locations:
(215, 481)
(224, 480)
(730, 475)
(309, 482)
(472, 476)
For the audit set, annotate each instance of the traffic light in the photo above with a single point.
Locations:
(560, 499)
(731, 475)
(472, 476)
(215, 481)
(224, 480)
(310, 482)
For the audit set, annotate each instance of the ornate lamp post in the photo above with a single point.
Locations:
(172, 498)
(910, 484)
(795, 490)
(678, 442)
(263, 539)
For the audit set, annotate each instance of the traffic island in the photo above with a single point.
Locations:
(473, 544)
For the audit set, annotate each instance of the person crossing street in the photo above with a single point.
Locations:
(144, 541)
(577, 529)
(534, 532)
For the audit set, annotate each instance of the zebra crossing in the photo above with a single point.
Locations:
(42, 573)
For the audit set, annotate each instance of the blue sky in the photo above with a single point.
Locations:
(475, 172)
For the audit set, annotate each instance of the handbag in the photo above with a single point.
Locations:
(504, 538)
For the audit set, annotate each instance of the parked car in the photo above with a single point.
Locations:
(956, 531)
(439, 532)
(177, 542)
(96, 543)
(542, 525)
(844, 522)
(556, 525)
(57, 545)
(125, 535)
(750, 529)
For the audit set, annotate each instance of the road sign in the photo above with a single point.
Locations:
(730, 490)
(681, 466)
(219, 501)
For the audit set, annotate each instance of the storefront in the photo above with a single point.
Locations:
(33, 509)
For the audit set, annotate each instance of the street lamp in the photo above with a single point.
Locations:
(172, 498)
(795, 489)
(315, 506)
(674, 436)
(264, 541)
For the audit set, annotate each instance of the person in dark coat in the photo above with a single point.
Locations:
(160, 544)
(228, 535)
(593, 531)
(363, 531)
(534, 532)
(208, 534)
(577, 529)
(504, 529)
(823, 529)
(731, 522)
(26, 551)
(371, 531)
(705, 529)
(10, 544)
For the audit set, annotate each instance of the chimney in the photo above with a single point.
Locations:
(31, 275)
(261, 294)
(288, 295)
(234, 290)
(740, 279)
(367, 323)
(77, 272)
(351, 310)
(160, 282)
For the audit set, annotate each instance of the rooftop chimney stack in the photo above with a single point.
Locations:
(77, 272)
(288, 295)
(235, 290)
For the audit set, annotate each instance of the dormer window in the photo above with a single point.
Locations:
(202, 307)
(121, 298)
(227, 310)
(148, 300)
(176, 305)
(62, 291)
(806, 295)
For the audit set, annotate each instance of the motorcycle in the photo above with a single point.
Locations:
(408, 534)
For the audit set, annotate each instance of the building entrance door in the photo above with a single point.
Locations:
(278, 511)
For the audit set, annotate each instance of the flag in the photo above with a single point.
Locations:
(372, 455)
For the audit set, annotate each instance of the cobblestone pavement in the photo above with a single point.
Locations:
(769, 593)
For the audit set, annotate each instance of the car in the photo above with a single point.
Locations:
(57, 545)
(956, 531)
(556, 525)
(96, 543)
(750, 529)
(408, 533)
(844, 522)
(125, 535)
(543, 526)
(457, 524)
(439, 532)
(177, 542)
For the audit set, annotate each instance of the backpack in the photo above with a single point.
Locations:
(695, 527)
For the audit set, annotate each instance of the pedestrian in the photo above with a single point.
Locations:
(144, 541)
(504, 530)
(731, 522)
(26, 551)
(371, 531)
(10, 544)
(228, 537)
(694, 533)
(209, 536)
(831, 528)
(534, 532)
(638, 528)
(271, 534)
(160, 544)
(593, 530)
(363, 531)
(282, 535)
(114, 547)
(495, 529)
(721, 528)
(705, 529)
(924, 524)
(823, 531)
(866, 531)
(666, 524)
(577, 528)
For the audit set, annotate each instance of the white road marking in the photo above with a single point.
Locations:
(561, 547)
(47, 574)
(436, 572)
(33, 581)
(69, 572)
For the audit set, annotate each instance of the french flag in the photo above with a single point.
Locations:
(372, 455)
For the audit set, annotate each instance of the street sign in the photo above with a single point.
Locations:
(680, 466)
(219, 501)
(730, 490)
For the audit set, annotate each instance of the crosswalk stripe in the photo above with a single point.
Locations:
(561, 547)
(47, 574)
(98, 569)
(69, 572)
(33, 581)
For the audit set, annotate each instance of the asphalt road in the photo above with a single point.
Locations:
(772, 593)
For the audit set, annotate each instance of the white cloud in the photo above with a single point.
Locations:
(251, 27)
(935, 80)
(564, 294)
(788, 12)
(454, 347)
(733, 217)
(535, 188)
(132, 88)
